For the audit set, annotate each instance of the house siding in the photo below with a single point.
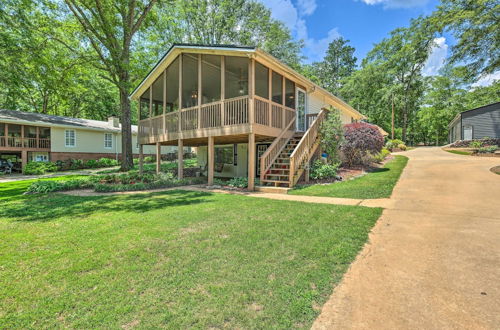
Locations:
(92, 142)
(485, 121)
(316, 102)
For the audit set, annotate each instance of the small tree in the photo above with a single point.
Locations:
(359, 140)
(332, 135)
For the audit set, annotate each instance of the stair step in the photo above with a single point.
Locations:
(274, 181)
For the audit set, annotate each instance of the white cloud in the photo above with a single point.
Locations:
(397, 3)
(437, 57)
(294, 17)
(487, 80)
(307, 7)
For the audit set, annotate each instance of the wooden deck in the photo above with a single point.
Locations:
(228, 121)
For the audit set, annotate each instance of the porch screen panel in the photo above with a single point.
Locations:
(30, 132)
(210, 78)
(261, 80)
(189, 80)
(144, 105)
(2, 129)
(289, 94)
(158, 96)
(173, 86)
(277, 88)
(236, 76)
(14, 130)
(44, 132)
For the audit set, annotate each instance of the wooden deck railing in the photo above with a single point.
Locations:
(229, 112)
(303, 150)
(24, 143)
(274, 150)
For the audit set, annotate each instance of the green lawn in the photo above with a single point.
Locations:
(459, 152)
(376, 184)
(173, 259)
(13, 190)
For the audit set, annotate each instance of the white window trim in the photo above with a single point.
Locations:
(111, 140)
(66, 138)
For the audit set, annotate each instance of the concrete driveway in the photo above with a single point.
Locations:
(433, 259)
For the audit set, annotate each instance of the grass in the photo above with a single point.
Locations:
(14, 189)
(173, 259)
(376, 184)
(459, 152)
(151, 167)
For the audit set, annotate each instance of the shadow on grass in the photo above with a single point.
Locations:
(378, 169)
(53, 206)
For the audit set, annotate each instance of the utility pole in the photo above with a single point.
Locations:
(392, 118)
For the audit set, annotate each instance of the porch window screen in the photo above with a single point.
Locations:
(108, 140)
(189, 80)
(236, 76)
(210, 78)
(289, 94)
(44, 132)
(2, 129)
(158, 96)
(173, 86)
(69, 138)
(261, 80)
(277, 88)
(144, 105)
(224, 155)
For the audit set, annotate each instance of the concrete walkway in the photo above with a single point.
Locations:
(433, 259)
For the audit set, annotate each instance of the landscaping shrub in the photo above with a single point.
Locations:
(46, 186)
(332, 135)
(107, 162)
(148, 159)
(360, 139)
(110, 183)
(321, 171)
(395, 144)
(485, 142)
(379, 157)
(91, 163)
(486, 150)
(475, 144)
(219, 182)
(39, 168)
(238, 182)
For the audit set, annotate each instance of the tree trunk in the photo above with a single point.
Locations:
(127, 155)
(405, 123)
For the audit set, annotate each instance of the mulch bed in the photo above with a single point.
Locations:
(495, 169)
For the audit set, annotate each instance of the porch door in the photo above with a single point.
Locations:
(468, 133)
(301, 110)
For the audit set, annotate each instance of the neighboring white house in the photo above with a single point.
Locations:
(28, 136)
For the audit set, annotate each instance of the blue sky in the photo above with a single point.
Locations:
(363, 22)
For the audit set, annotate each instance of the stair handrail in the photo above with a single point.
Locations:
(301, 152)
(273, 151)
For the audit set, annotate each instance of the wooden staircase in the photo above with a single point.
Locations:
(287, 157)
(279, 172)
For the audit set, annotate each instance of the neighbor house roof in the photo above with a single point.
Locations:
(250, 51)
(459, 115)
(33, 118)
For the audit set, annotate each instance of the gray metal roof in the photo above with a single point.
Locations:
(34, 118)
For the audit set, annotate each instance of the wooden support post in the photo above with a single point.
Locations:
(163, 123)
(210, 159)
(38, 137)
(179, 120)
(22, 137)
(180, 159)
(158, 157)
(270, 96)
(24, 159)
(251, 161)
(251, 91)
(307, 171)
(222, 89)
(141, 159)
(198, 124)
(283, 98)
